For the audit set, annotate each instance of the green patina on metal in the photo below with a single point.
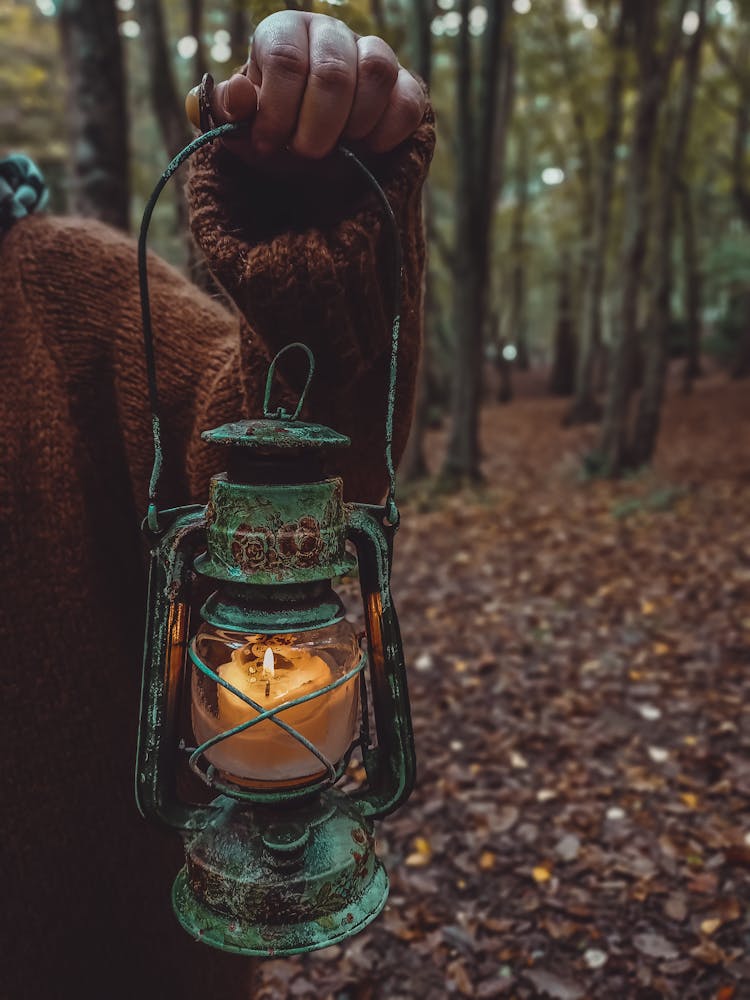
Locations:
(274, 610)
(276, 434)
(249, 885)
(274, 882)
(274, 534)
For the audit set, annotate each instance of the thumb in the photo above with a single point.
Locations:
(234, 100)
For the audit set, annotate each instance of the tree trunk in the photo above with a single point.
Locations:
(612, 453)
(504, 370)
(562, 376)
(480, 132)
(173, 125)
(414, 462)
(585, 175)
(517, 331)
(167, 105)
(585, 408)
(647, 422)
(195, 28)
(239, 30)
(740, 187)
(693, 281)
(741, 365)
(462, 459)
(98, 110)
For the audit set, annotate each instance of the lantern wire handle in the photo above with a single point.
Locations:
(148, 334)
(391, 510)
(280, 413)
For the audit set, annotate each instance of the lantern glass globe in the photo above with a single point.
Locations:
(273, 670)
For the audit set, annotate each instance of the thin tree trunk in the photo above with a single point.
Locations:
(97, 109)
(740, 187)
(480, 131)
(167, 105)
(239, 31)
(613, 437)
(195, 28)
(517, 331)
(585, 408)
(172, 121)
(693, 280)
(562, 376)
(505, 372)
(462, 459)
(377, 13)
(414, 462)
(585, 172)
(612, 453)
(738, 67)
(741, 364)
(648, 418)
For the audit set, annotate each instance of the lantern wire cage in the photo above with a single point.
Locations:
(333, 771)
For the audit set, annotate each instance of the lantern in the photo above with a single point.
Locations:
(267, 695)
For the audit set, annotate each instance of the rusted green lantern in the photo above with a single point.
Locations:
(270, 692)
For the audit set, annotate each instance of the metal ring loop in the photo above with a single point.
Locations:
(281, 413)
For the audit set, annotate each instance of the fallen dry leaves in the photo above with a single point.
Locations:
(580, 683)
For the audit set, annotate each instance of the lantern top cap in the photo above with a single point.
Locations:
(278, 431)
(274, 435)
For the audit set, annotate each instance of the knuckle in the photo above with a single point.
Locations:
(286, 59)
(332, 72)
(410, 108)
(375, 68)
(411, 101)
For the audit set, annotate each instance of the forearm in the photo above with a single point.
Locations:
(315, 264)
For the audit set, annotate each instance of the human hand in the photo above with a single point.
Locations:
(311, 82)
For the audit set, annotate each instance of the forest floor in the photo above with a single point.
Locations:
(579, 658)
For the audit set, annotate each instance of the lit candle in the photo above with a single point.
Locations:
(265, 752)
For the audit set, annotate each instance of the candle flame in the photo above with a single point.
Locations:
(268, 668)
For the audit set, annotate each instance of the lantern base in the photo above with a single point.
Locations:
(269, 881)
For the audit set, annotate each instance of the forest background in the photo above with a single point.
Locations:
(588, 209)
(573, 573)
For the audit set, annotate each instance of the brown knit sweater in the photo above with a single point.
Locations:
(85, 908)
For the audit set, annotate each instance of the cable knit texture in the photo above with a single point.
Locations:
(86, 882)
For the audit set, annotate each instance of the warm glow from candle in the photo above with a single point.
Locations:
(271, 677)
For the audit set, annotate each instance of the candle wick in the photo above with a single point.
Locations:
(268, 689)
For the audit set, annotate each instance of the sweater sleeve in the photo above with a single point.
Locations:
(306, 257)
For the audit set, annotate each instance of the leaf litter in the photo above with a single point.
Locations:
(580, 689)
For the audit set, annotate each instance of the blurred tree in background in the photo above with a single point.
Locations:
(588, 210)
